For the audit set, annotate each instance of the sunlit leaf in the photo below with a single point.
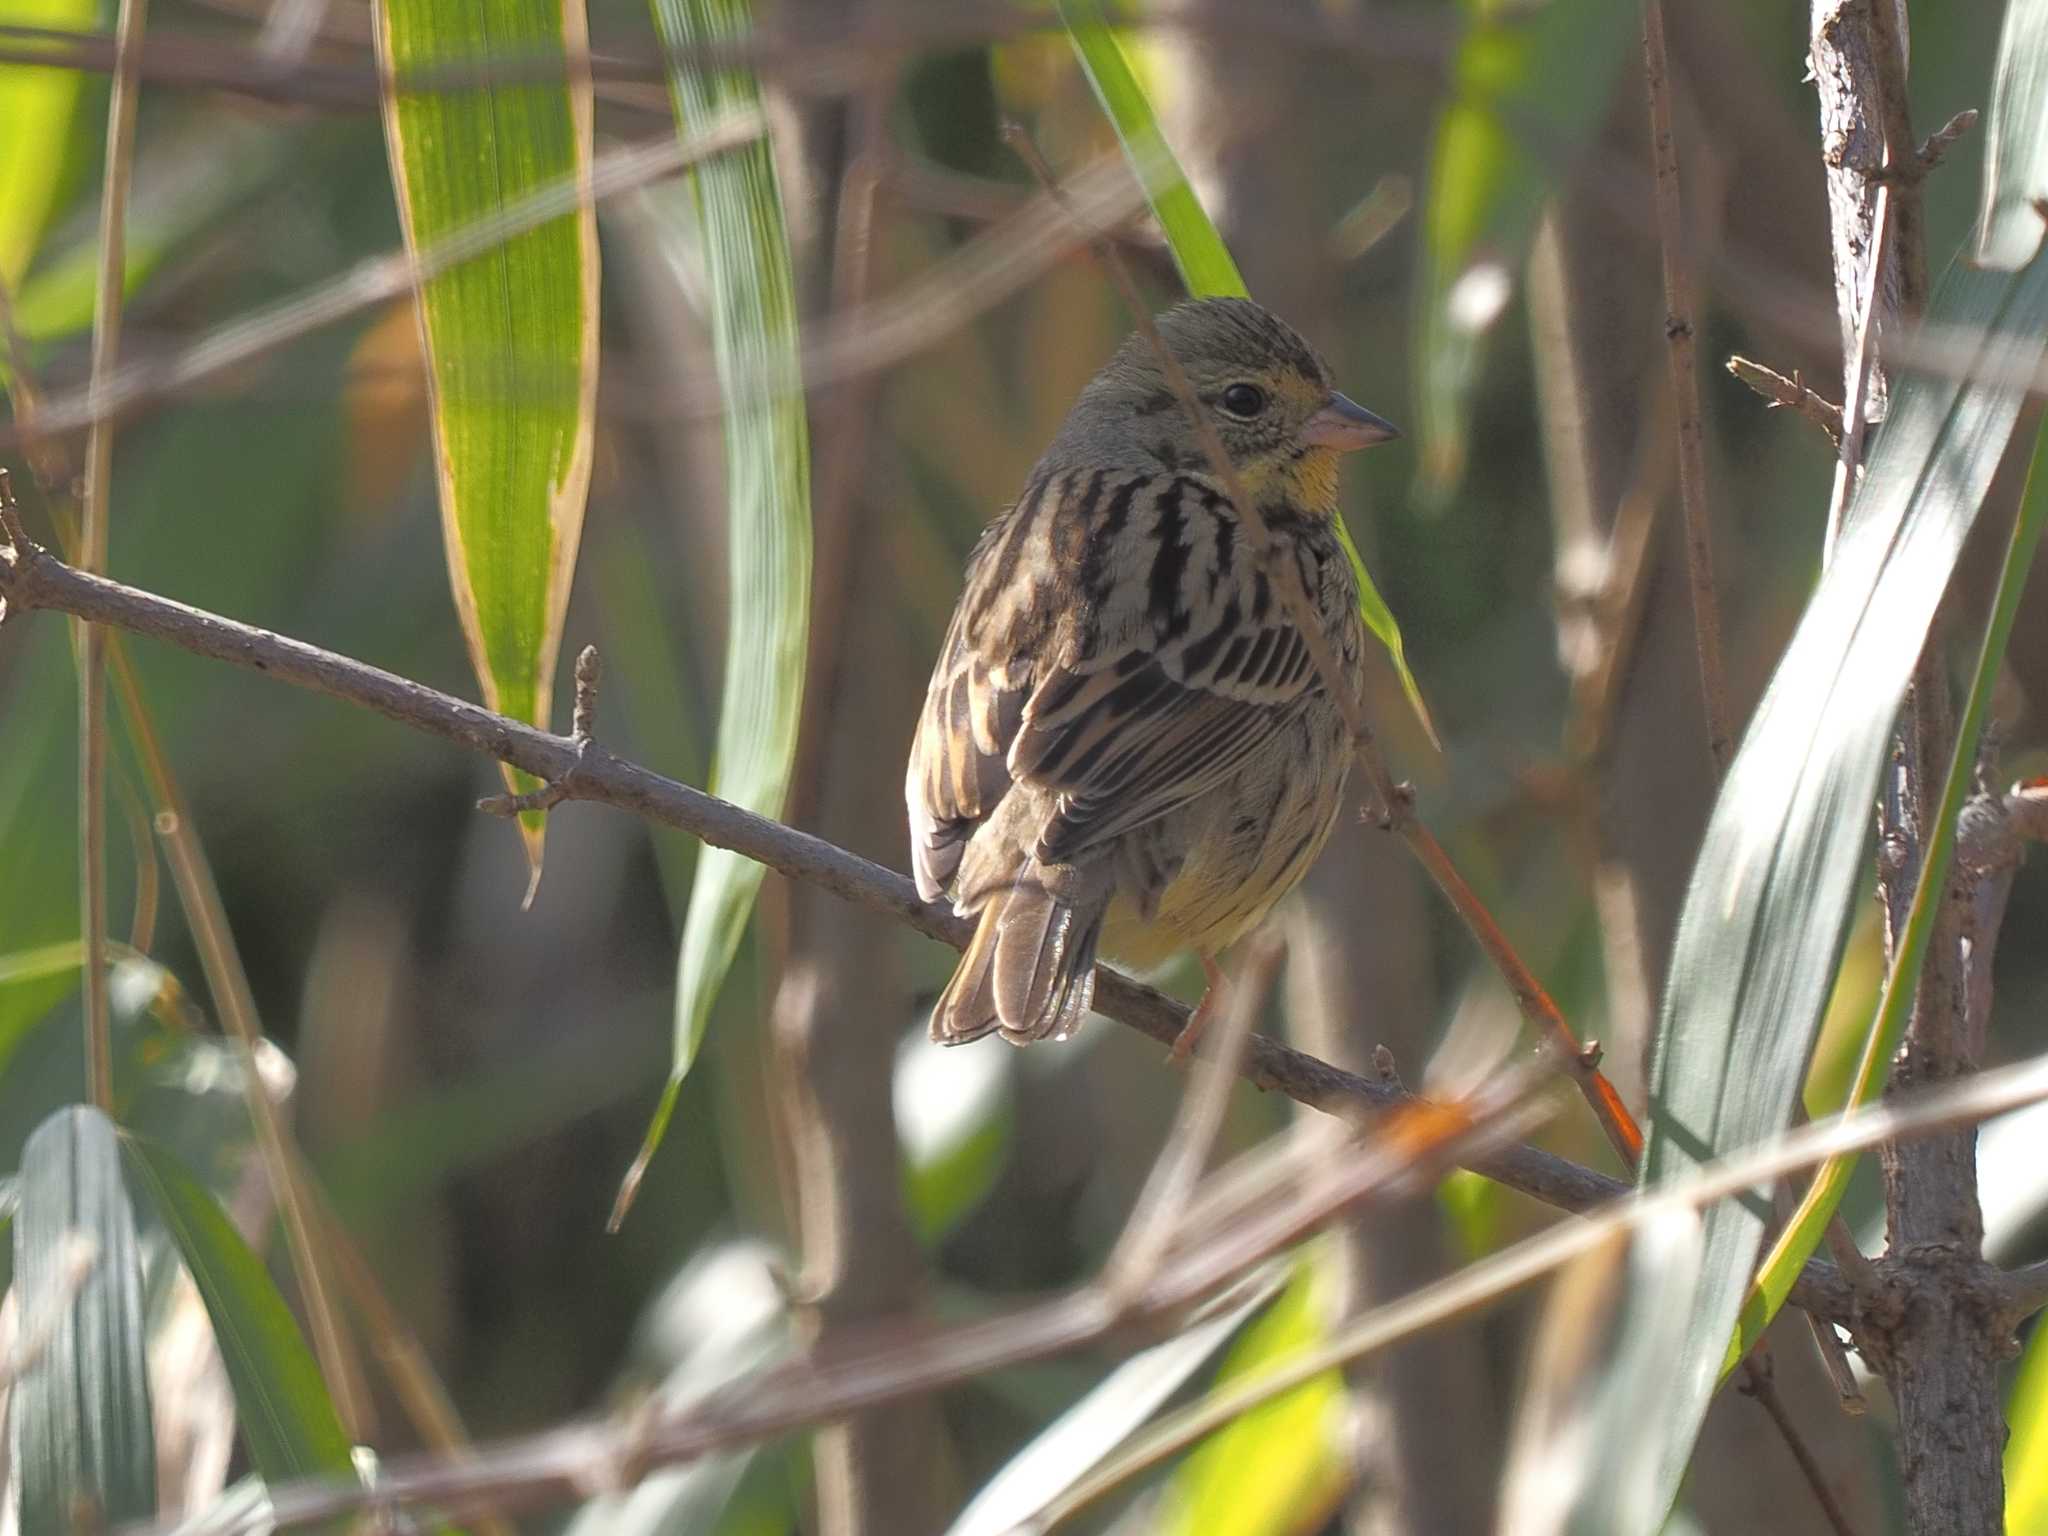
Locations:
(1802, 1234)
(1529, 86)
(81, 1419)
(286, 1416)
(1198, 251)
(1084, 1436)
(2016, 140)
(511, 335)
(1783, 852)
(36, 111)
(1278, 1468)
(2026, 1446)
(751, 297)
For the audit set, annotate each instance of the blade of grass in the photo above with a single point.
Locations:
(286, 1416)
(1784, 851)
(510, 336)
(86, 1453)
(752, 311)
(1199, 253)
(1802, 1234)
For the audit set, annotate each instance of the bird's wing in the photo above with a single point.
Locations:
(958, 768)
(1126, 738)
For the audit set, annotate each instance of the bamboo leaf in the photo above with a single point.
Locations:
(752, 311)
(287, 1418)
(510, 335)
(1529, 86)
(85, 1448)
(1802, 1234)
(1198, 251)
(2016, 140)
(1783, 852)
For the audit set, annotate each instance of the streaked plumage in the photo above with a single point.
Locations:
(1126, 746)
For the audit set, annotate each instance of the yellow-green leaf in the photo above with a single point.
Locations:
(2026, 1449)
(36, 107)
(1199, 252)
(1276, 1468)
(751, 294)
(510, 335)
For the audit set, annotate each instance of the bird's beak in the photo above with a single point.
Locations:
(1343, 425)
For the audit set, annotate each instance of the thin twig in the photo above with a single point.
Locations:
(1685, 392)
(1794, 394)
(1760, 1384)
(92, 553)
(31, 578)
(1395, 803)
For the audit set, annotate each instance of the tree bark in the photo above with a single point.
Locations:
(1935, 1333)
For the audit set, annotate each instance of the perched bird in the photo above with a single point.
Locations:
(1126, 745)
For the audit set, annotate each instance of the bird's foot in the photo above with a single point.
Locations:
(1191, 1032)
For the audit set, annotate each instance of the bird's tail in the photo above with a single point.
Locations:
(1030, 970)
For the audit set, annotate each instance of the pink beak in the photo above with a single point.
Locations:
(1344, 425)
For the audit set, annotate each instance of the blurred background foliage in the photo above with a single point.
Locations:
(472, 1080)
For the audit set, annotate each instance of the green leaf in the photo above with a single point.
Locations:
(1526, 75)
(2026, 1447)
(511, 335)
(1198, 251)
(36, 111)
(2016, 140)
(752, 309)
(1277, 1468)
(1783, 853)
(1802, 1234)
(286, 1416)
(83, 1438)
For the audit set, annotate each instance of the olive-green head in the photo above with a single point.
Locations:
(1267, 391)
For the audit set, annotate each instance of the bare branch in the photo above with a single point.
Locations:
(31, 578)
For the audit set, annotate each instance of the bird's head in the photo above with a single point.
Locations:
(1266, 390)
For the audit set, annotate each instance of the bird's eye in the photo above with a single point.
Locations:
(1245, 400)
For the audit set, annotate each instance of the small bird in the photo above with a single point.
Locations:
(1126, 746)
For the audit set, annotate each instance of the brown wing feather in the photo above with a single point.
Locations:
(1127, 743)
